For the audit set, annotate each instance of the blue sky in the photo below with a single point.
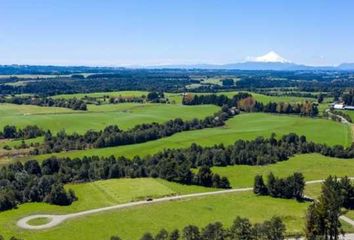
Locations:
(149, 32)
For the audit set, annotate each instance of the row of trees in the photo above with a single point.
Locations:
(248, 104)
(322, 218)
(34, 182)
(153, 97)
(290, 187)
(219, 100)
(172, 164)
(72, 103)
(242, 228)
(145, 80)
(113, 136)
(30, 131)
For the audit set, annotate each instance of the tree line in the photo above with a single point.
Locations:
(290, 187)
(219, 100)
(23, 181)
(30, 131)
(35, 182)
(322, 217)
(248, 104)
(145, 80)
(113, 136)
(241, 228)
(72, 103)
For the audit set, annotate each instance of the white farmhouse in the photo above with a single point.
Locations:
(338, 106)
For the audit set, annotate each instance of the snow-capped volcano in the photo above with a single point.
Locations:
(269, 57)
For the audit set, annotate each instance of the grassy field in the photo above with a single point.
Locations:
(259, 97)
(244, 126)
(101, 94)
(132, 223)
(178, 96)
(97, 117)
(116, 191)
(313, 166)
(350, 113)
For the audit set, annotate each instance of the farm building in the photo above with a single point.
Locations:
(341, 106)
(338, 106)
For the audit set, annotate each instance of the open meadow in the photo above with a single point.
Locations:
(131, 223)
(313, 166)
(244, 126)
(125, 115)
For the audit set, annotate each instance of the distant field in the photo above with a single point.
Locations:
(125, 115)
(19, 111)
(313, 166)
(101, 94)
(32, 76)
(178, 96)
(244, 126)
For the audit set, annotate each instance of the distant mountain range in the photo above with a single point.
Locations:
(275, 66)
(269, 61)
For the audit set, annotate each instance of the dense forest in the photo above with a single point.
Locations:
(88, 80)
(127, 80)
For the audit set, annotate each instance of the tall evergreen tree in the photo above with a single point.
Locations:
(259, 186)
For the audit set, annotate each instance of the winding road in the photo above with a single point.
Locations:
(55, 220)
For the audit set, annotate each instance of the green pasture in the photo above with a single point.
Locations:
(243, 126)
(125, 115)
(177, 97)
(350, 113)
(102, 94)
(132, 223)
(313, 166)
